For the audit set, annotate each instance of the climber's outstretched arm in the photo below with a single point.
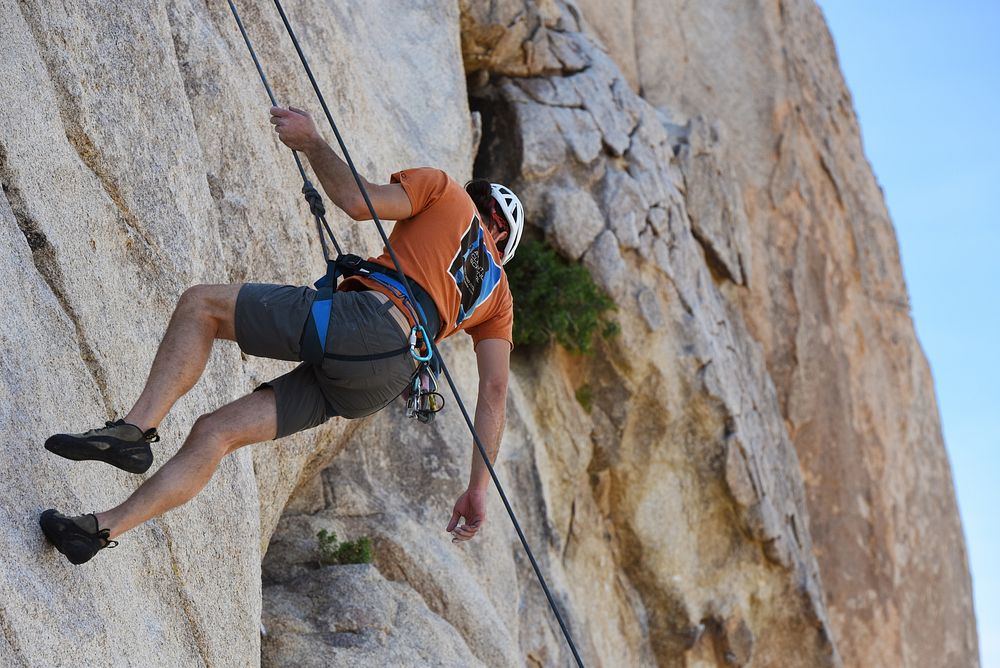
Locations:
(297, 131)
(493, 361)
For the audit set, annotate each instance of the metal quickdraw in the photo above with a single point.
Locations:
(414, 351)
(422, 399)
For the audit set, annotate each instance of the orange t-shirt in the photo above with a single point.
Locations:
(444, 247)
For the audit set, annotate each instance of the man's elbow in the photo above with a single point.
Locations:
(494, 389)
(357, 208)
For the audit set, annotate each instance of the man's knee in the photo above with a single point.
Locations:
(195, 301)
(215, 303)
(209, 434)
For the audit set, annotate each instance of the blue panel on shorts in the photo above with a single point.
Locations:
(321, 316)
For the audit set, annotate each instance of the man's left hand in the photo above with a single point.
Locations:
(471, 506)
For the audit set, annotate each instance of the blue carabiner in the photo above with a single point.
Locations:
(413, 344)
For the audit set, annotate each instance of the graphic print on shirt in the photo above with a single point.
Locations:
(475, 271)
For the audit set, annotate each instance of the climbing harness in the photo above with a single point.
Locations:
(421, 397)
(424, 401)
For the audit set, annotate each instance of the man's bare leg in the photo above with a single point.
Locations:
(203, 313)
(250, 419)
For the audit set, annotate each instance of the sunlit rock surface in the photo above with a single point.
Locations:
(759, 478)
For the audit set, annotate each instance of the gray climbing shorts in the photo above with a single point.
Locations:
(270, 322)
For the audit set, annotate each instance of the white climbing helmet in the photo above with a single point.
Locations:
(513, 211)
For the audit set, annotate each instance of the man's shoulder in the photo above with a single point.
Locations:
(428, 175)
(429, 186)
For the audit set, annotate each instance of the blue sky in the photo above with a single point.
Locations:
(925, 77)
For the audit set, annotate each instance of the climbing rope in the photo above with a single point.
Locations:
(313, 197)
(315, 202)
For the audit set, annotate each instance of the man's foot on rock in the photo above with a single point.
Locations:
(117, 443)
(79, 538)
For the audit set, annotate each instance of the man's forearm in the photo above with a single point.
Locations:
(335, 176)
(490, 416)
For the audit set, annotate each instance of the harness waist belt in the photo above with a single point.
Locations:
(354, 265)
(396, 314)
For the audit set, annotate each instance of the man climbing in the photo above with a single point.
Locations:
(352, 345)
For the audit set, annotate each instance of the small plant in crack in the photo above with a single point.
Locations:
(585, 397)
(331, 551)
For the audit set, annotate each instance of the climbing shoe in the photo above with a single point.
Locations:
(117, 443)
(76, 537)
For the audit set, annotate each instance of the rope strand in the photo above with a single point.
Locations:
(312, 197)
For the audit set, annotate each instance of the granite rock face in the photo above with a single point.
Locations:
(136, 159)
(759, 479)
(825, 298)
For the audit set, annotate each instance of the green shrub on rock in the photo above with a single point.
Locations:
(556, 300)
